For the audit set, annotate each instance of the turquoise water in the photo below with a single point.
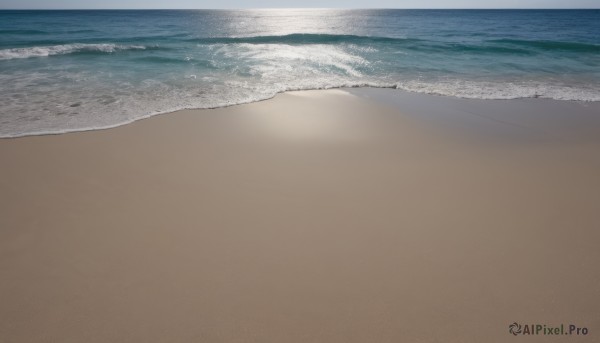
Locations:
(78, 70)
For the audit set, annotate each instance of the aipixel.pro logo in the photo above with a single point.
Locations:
(516, 329)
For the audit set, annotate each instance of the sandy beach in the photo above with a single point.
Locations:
(348, 215)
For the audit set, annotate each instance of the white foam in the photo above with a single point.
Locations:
(272, 59)
(501, 90)
(45, 51)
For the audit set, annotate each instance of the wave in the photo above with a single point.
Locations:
(444, 47)
(64, 49)
(495, 46)
(81, 31)
(160, 59)
(40, 32)
(302, 38)
(174, 60)
(22, 32)
(550, 45)
(407, 43)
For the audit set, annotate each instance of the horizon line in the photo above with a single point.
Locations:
(299, 8)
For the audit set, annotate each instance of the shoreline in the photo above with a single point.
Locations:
(399, 92)
(326, 216)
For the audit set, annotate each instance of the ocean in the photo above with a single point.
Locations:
(64, 71)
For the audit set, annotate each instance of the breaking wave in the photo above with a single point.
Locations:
(64, 49)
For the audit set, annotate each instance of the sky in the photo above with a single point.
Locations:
(119, 4)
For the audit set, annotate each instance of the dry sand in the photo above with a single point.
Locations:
(320, 216)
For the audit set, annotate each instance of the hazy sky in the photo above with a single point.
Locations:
(306, 3)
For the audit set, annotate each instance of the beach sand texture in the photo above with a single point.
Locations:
(319, 216)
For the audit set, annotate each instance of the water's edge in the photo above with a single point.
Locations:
(127, 122)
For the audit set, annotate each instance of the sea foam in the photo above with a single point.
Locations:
(64, 49)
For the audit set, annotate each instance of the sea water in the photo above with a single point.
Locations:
(65, 71)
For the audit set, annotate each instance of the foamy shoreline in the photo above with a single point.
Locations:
(390, 95)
